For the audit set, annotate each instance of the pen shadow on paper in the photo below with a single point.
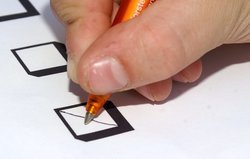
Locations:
(213, 62)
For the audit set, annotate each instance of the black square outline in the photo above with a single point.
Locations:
(30, 11)
(48, 71)
(122, 124)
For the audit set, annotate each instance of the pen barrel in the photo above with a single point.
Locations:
(130, 9)
(95, 103)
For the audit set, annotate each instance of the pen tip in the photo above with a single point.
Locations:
(88, 118)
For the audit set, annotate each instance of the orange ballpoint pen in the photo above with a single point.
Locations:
(128, 10)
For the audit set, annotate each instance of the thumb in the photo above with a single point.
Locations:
(166, 38)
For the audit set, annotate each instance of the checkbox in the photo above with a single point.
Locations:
(75, 118)
(110, 122)
(42, 59)
(13, 9)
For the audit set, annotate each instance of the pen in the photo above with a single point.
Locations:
(128, 10)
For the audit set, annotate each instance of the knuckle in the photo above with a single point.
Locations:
(67, 11)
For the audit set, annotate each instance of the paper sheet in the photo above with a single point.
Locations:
(42, 111)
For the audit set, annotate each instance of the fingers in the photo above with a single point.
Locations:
(158, 91)
(190, 73)
(85, 21)
(143, 53)
(161, 42)
(240, 30)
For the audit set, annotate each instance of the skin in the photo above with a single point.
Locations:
(148, 52)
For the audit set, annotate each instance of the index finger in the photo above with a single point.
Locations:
(85, 21)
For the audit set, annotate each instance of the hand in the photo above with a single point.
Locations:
(163, 44)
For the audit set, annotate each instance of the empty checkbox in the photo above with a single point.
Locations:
(13, 9)
(42, 59)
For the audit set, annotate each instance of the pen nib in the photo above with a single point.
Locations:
(88, 118)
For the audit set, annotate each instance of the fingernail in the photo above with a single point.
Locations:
(181, 78)
(71, 69)
(145, 92)
(106, 76)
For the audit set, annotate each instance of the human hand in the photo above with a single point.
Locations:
(150, 51)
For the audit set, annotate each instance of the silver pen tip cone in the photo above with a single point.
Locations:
(88, 118)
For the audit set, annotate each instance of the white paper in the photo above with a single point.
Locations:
(208, 119)
(11, 7)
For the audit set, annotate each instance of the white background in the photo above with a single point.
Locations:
(208, 119)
